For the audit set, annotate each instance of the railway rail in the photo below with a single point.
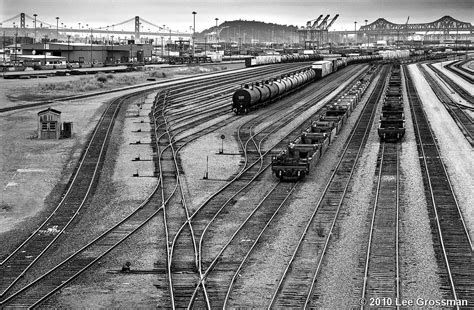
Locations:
(11, 271)
(458, 68)
(453, 246)
(381, 274)
(297, 282)
(15, 265)
(37, 291)
(458, 89)
(457, 111)
(167, 141)
(229, 196)
(187, 82)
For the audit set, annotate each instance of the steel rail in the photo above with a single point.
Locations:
(377, 227)
(452, 245)
(306, 229)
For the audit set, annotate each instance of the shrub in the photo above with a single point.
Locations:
(101, 77)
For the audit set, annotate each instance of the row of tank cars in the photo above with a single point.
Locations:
(304, 152)
(255, 95)
(392, 119)
(273, 59)
(286, 58)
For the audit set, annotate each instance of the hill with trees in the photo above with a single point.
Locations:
(252, 32)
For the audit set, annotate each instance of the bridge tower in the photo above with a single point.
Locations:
(137, 27)
(22, 20)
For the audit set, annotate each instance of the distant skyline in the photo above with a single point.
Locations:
(177, 14)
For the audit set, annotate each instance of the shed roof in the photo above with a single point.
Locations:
(49, 110)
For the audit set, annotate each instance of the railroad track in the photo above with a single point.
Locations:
(453, 246)
(457, 68)
(457, 111)
(381, 273)
(62, 265)
(44, 286)
(224, 198)
(458, 89)
(296, 285)
(187, 83)
(14, 266)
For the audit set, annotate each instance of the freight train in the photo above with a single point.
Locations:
(273, 59)
(254, 95)
(304, 152)
(392, 119)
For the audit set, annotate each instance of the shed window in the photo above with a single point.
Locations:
(44, 126)
(52, 126)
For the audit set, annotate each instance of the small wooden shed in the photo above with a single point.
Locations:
(49, 124)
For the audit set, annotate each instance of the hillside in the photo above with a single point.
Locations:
(253, 30)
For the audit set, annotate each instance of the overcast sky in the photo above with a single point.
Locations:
(177, 14)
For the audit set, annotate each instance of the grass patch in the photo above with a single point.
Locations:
(85, 84)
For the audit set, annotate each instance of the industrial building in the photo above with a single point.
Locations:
(88, 53)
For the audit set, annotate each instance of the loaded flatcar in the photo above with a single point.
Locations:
(392, 119)
(303, 153)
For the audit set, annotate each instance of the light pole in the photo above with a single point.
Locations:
(35, 25)
(194, 31)
(355, 32)
(91, 48)
(68, 38)
(57, 28)
(113, 58)
(217, 36)
(162, 47)
(169, 43)
(367, 33)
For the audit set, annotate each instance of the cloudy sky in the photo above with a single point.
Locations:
(177, 14)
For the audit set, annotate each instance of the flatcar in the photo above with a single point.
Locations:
(303, 153)
(392, 119)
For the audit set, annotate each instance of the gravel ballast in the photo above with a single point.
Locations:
(457, 153)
